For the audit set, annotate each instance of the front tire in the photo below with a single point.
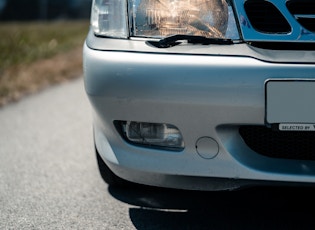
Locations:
(107, 174)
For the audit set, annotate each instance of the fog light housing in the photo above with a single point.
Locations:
(156, 135)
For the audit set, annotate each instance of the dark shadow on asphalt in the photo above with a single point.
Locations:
(252, 208)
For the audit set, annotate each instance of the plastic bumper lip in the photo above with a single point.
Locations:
(202, 96)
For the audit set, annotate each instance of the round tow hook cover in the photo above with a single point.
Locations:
(207, 147)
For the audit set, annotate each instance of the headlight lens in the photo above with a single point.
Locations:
(162, 18)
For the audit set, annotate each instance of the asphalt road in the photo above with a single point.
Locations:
(49, 180)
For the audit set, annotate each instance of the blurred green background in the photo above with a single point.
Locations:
(41, 44)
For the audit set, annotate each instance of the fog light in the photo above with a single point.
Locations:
(153, 134)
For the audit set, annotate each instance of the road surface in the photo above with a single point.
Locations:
(49, 180)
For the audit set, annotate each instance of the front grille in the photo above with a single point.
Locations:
(265, 17)
(304, 12)
(291, 21)
(279, 144)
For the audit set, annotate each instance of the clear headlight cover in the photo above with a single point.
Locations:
(163, 18)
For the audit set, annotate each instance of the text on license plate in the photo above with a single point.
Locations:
(297, 127)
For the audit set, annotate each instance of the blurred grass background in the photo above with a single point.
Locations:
(25, 42)
(37, 54)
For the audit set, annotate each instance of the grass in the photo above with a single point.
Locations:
(37, 54)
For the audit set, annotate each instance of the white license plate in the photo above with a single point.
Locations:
(291, 103)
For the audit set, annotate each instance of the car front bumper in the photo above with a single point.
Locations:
(205, 96)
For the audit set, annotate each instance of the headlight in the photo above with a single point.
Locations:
(163, 18)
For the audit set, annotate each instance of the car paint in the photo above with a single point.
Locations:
(205, 96)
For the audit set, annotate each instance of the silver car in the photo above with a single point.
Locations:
(202, 94)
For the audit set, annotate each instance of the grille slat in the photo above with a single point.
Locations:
(304, 12)
(277, 20)
(277, 144)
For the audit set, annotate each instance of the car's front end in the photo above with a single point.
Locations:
(203, 94)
